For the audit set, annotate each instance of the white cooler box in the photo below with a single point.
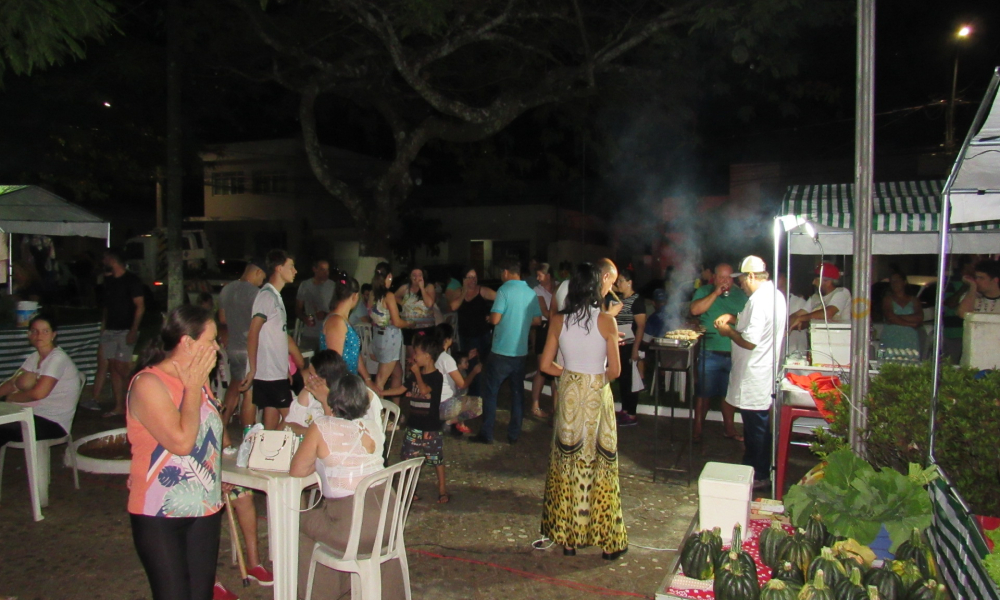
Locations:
(980, 335)
(830, 345)
(724, 493)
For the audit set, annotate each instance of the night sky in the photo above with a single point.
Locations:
(63, 135)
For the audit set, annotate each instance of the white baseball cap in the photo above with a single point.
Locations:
(752, 264)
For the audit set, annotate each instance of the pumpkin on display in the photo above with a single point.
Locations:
(917, 550)
(908, 572)
(928, 590)
(777, 589)
(788, 572)
(800, 551)
(833, 570)
(816, 531)
(735, 582)
(736, 553)
(817, 589)
(699, 554)
(890, 586)
(772, 541)
(851, 588)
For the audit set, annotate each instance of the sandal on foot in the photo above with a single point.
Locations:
(444, 499)
(539, 414)
(735, 436)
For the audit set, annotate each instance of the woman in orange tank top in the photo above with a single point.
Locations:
(175, 431)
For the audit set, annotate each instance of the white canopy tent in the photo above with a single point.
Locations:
(905, 220)
(31, 210)
(974, 187)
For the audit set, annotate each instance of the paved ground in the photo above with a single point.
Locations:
(478, 546)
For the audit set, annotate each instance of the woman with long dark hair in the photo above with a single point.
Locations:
(174, 427)
(582, 505)
(387, 326)
(473, 309)
(338, 333)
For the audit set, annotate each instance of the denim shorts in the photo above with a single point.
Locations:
(387, 344)
(712, 375)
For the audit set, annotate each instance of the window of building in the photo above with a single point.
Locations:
(227, 183)
(270, 182)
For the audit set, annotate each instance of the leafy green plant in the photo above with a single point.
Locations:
(992, 560)
(897, 432)
(856, 501)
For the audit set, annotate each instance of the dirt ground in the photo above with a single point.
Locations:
(477, 546)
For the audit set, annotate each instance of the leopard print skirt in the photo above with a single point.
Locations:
(582, 504)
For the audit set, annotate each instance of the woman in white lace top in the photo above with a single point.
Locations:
(343, 449)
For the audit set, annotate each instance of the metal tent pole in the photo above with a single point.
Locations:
(776, 352)
(943, 225)
(863, 172)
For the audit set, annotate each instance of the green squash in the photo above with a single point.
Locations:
(777, 589)
(800, 551)
(817, 589)
(772, 541)
(908, 572)
(735, 582)
(890, 585)
(833, 570)
(816, 531)
(736, 552)
(698, 555)
(917, 550)
(789, 573)
(927, 590)
(873, 593)
(851, 588)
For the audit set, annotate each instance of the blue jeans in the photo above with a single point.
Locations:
(712, 378)
(498, 369)
(757, 442)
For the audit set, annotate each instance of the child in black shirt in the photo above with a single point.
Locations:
(423, 391)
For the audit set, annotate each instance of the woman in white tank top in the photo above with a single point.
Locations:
(582, 504)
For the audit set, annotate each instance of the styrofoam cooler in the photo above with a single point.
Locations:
(979, 341)
(724, 493)
(830, 344)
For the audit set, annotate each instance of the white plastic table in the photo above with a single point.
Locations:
(12, 413)
(284, 494)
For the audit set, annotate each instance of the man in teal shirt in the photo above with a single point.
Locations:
(514, 312)
(710, 302)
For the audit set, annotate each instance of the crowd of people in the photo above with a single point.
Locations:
(379, 342)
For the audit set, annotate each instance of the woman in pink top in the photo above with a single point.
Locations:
(174, 427)
(582, 505)
(343, 449)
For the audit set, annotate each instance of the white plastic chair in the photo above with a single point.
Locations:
(43, 451)
(390, 414)
(365, 564)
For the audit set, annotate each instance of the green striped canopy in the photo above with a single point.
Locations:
(898, 206)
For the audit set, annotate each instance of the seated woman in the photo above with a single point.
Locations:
(48, 382)
(903, 316)
(343, 449)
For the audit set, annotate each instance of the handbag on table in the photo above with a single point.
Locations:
(272, 450)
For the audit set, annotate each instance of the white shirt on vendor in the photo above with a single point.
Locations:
(839, 298)
(752, 372)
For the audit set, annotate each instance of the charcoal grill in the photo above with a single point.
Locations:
(675, 356)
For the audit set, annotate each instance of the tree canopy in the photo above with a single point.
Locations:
(461, 71)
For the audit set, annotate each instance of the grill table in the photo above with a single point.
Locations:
(675, 359)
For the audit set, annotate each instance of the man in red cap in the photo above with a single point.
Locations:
(836, 301)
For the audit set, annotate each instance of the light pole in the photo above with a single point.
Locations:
(949, 122)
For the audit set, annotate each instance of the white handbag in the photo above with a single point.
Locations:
(273, 450)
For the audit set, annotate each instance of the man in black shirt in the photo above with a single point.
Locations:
(124, 305)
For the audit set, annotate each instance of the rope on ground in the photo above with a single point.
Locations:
(582, 587)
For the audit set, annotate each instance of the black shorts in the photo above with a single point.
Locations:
(272, 394)
(409, 333)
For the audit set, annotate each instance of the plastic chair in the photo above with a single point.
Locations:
(363, 563)
(43, 449)
(789, 413)
(390, 415)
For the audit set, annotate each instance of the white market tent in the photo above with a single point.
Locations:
(31, 210)
(905, 220)
(975, 182)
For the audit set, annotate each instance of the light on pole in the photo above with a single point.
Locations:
(949, 122)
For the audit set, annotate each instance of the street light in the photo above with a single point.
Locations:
(949, 123)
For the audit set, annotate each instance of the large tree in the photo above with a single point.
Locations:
(463, 70)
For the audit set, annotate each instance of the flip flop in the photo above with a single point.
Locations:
(112, 414)
(735, 436)
(444, 499)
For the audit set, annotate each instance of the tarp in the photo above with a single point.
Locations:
(975, 191)
(905, 220)
(31, 210)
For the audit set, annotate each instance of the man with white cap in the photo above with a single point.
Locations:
(754, 333)
(835, 303)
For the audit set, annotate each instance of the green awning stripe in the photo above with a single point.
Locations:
(959, 547)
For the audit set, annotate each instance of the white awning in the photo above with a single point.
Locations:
(975, 191)
(31, 210)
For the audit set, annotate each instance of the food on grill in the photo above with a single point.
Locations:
(682, 334)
